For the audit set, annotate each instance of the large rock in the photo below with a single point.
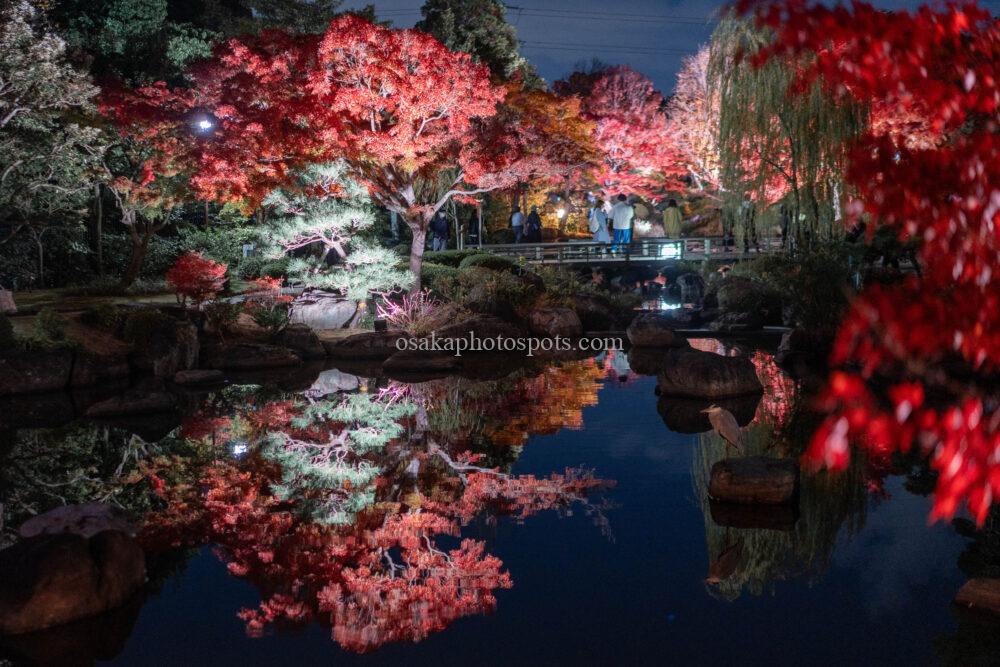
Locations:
(553, 322)
(980, 595)
(303, 340)
(23, 372)
(249, 356)
(652, 330)
(321, 311)
(754, 480)
(596, 312)
(85, 520)
(90, 368)
(133, 402)
(54, 579)
(480, 326)
(172, 346)
(697, 374)
(367, 345)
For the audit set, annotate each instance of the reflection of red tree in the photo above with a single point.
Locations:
(382, 579)
(779, 391)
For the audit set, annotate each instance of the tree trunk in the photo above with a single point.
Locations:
(140, 243)
(97, 231)
(41, 260)
(419, 230)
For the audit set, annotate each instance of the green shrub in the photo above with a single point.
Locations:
(493, 262)
(439, 278)
(451, 257)
(221, 314)
(274, 320)
(250, 268)
(108, 286)
(49, 326)
(497, 293)
(103, 316)
(140, 324)
(275, 268)
(7, 338)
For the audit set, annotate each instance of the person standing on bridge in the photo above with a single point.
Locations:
(672, 220)
(533, 227)
(621, 219)
(517, 224)
(440, 232)
(599, 223)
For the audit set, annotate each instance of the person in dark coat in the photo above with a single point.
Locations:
(533, 227)
(440, 232)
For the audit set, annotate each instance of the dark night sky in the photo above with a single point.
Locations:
(652, 36)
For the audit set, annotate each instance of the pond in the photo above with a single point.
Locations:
(556, 515)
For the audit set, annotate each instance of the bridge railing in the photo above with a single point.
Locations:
(643, 249)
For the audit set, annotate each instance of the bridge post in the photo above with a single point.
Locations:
(645, 248)
(708, 248)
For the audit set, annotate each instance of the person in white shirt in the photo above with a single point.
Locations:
(621, 220)
(517, 224)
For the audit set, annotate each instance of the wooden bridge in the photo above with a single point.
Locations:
(640, 250)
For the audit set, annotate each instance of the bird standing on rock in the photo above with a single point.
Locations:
(725, 424)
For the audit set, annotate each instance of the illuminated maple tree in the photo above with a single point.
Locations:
(917, 356)
(630, 131)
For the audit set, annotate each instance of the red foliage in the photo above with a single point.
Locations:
(940, 67)
(637, 149)
(195, 277)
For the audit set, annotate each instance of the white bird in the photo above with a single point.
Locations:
(725, 424)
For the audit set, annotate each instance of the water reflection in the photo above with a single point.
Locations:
(359, 503)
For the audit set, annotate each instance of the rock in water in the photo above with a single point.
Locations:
(981, 595)
(552, 322)
(303, 340)
(85, 520)
(697, 374)
(321, 311)
(754, 480)
(49, 580)
(652, 330)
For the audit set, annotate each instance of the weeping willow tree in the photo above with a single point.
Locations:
(775, 146)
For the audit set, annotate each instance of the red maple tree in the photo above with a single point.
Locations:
(416, 122)
(918, 357)
(196, 277)
(637, 151)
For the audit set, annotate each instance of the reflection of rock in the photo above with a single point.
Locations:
(366, 345)
(552, 322)
(83, 642)
(765, 517)
(133, 402)
(332, 381)
(248, 356)
(322, 310)
(684, 415)
(54, 579)
(90, 368)
(303, 340)
(416, 365)
(980, 595)
(698, 374)
(755, 479)
(24, 371)
(37, 410)
(198, 377)
(85, 520)
(652, 330)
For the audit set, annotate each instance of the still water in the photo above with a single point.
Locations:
(605, 565)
